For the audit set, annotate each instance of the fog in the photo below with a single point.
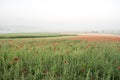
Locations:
(59, 15)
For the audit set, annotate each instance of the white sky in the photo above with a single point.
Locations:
(59, 15)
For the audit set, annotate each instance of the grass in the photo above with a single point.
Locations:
(32, 35)
(35, 59)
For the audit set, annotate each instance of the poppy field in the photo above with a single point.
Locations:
(59, 59)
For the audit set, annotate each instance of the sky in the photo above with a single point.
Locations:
(59, 15)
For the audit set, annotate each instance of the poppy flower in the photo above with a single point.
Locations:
(119, 67)
(15, 59)
(65, 61)
(92, 78)
(45, 72)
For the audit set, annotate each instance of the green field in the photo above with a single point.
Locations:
(59, 59)
(32, 35)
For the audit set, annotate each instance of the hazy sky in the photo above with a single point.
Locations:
(59, 15)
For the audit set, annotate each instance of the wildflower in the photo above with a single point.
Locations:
(92, 78)
(45, 72)
(15, 59)
(119, 67)
(65, 61)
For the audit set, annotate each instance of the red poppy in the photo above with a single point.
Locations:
(92, 78)
(119, 67)
(15, 59)
(45, 72)
(65, 61)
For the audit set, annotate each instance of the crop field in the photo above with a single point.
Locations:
(32, 35)
(59, 59)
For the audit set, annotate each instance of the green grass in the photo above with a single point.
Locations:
(59, 60)
(32, 35)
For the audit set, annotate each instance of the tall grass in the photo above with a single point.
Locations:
(59, 60)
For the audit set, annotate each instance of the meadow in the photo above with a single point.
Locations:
(32, 35)
(59, 59)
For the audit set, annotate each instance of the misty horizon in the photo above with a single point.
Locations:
(59, 16)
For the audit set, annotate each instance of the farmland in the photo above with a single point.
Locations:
(73, 58)
(32, 35)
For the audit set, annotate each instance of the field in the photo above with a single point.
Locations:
(32, 35)
(75, 58)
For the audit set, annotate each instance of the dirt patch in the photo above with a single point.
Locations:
(91, 37)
